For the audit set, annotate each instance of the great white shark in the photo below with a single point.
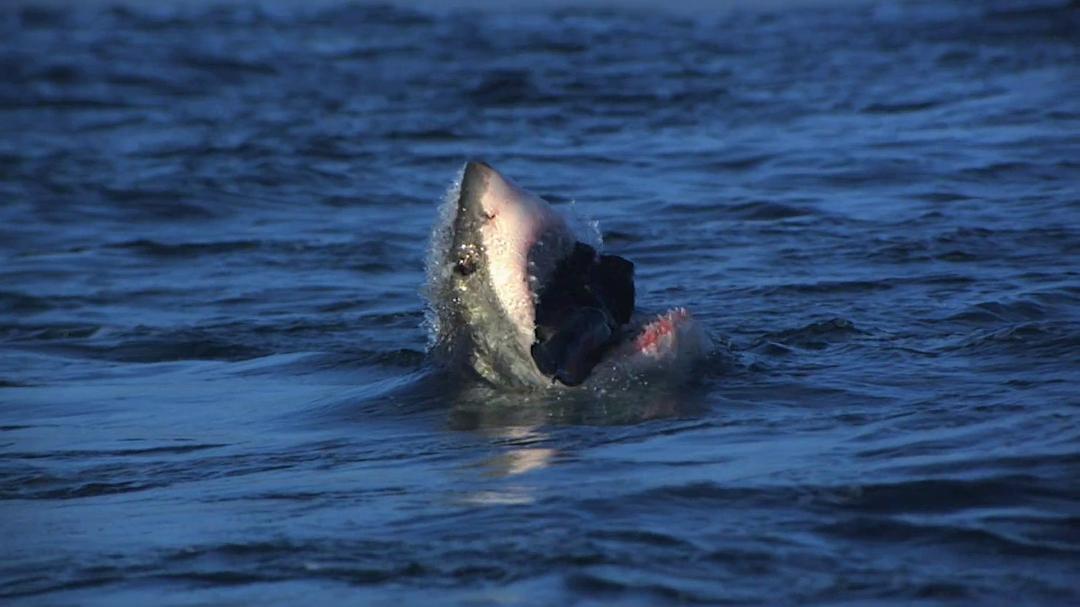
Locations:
(518, 296)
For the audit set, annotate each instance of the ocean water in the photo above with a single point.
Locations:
(213, 225)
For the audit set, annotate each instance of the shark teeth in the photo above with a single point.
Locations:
(659, 335)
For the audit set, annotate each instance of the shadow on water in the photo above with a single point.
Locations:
(462, 403)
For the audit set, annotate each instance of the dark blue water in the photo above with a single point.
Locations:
(213, 223)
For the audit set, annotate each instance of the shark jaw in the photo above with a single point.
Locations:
(515, 296)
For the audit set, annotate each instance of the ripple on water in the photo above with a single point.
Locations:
(211, 348)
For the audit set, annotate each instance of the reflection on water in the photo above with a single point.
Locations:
(520, 461)
(511, 462)
(519, 457)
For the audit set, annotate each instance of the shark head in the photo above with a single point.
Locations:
(515, 294)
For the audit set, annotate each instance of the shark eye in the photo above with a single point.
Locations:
(466, 265)
(468, 259)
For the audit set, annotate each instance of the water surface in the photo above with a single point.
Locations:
(212, 237)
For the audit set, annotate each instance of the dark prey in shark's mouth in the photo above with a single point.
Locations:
(515, 295)
(580, 311)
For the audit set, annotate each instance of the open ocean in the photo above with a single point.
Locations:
(213, 226)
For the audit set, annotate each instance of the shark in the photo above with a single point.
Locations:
(520, 298)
